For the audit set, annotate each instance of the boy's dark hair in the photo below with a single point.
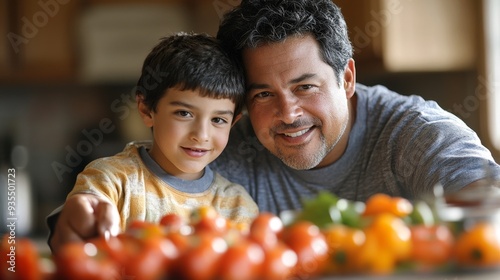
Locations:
(190, 62)
(256, 22)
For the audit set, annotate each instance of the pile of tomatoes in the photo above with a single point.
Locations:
(206, 246)
(389, 235)
(329, 236)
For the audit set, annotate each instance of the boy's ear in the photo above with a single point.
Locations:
(146, 114)
(236, 118)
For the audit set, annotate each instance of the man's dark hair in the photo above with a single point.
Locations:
(256, 22)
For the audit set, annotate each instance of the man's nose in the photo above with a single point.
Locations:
(288, 109)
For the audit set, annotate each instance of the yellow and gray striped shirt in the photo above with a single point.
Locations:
(141, 194)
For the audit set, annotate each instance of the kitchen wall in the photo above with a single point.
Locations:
(68, 69)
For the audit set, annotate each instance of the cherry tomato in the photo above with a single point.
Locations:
(152, 261)
(479, 246)
(373, 257)
(200, 260)
(145, 230)
(181, 241)
(84, 261)
(344, 244)
(19, 259)
(241, 261)
(279, 262)
(393, 234)
(206, 218)
(307, 241)
(431, 245)
(172, 222)
(382, 203)
(265, 229)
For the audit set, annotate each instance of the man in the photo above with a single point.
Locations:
(310, 127)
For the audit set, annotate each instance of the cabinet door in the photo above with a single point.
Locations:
(40, 36)
(5, 56)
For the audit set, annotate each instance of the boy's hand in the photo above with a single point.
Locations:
(84, 216)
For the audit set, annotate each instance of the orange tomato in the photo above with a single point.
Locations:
(144, 229)
(479, 246)
(344, 244)
(373, 257)
(393, 234)
(382, 203)
(431, 245)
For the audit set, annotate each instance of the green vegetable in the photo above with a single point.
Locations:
(321, 210)
(422, 214)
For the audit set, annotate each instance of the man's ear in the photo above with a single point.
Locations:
(236, 118)
(146, 114)
(349, 83)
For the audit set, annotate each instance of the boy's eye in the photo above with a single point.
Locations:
(219, 120)
(183, 113)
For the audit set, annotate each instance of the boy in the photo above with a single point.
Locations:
(189, 94)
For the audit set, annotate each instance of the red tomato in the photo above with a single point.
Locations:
(152, 260)
(180, 241)
(172, 222)
(118, 248)
(19, 259)
(279, 262)
(265, 229)
(200, 260)
(84, 261)
(241, 261)
(206, 218)
(307, 241)
(431, 245)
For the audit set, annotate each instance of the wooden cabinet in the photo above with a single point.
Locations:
(414, 36)
(39, 40)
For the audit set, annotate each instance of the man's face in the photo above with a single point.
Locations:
(296, 106)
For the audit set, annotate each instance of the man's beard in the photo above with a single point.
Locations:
(302, 160)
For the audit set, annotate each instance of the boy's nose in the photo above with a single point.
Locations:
(201, 133)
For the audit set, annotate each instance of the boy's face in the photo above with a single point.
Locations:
(189, 131)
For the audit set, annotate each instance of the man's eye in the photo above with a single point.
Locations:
(306, 87)
(262, 94)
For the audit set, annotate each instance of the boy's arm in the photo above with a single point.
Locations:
(83, 216)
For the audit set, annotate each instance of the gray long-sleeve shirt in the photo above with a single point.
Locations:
(399, 145)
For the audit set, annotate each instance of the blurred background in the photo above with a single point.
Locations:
(68, 70)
